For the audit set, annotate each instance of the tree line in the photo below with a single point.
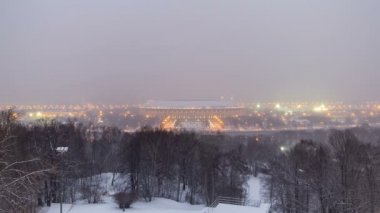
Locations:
(337, 174)
(182, 166)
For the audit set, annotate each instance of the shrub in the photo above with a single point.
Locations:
(124, 199)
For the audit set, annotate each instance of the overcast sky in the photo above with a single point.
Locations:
(122, 51)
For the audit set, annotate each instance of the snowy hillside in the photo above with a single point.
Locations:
(160, 205)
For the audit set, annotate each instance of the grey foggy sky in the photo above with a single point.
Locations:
(121, 51)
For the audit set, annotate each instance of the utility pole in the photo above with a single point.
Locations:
(61, 151)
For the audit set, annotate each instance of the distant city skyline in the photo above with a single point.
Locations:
(132, 51)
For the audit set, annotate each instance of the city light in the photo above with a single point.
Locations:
(321, 108)
(271, 116)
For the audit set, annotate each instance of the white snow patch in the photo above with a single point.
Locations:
(225, 208)
(254, 189)
(158, 205)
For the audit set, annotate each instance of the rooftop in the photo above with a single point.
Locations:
(189, 104)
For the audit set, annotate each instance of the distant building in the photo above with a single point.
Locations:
(193, 115)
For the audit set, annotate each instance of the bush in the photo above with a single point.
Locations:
(124, 199)
(92, 189)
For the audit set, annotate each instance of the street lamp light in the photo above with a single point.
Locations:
(61, 151)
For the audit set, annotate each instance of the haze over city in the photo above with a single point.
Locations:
(133, 51)
(197, 106)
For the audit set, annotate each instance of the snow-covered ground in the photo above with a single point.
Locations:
(160, 205)
(255, 191)
(224, 208)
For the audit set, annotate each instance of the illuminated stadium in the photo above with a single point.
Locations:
(194, 115)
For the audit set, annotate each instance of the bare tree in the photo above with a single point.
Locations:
(19, 175)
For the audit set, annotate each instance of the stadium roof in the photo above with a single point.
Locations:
(198, 104)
